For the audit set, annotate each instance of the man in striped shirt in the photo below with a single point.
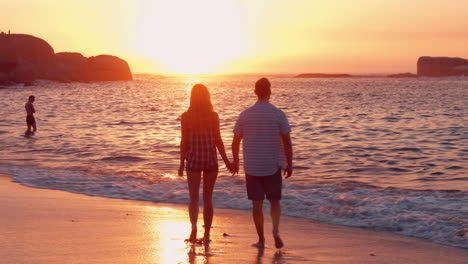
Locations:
(265, 131)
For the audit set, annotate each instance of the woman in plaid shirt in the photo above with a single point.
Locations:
(200, 139)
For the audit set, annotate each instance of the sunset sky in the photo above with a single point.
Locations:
(242, 36)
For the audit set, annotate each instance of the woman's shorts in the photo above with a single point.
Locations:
(213, 168)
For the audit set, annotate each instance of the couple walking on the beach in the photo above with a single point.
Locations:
(265, 132)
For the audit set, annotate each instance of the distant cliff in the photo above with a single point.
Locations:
(323, 75)
(402, 75)
(427, 66)
(25, 58)
(442, 66)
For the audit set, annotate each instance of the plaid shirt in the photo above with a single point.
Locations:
(201, 150)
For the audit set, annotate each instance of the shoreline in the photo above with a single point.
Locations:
(51, 226)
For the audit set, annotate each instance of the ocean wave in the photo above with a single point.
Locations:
(331, 131)
(129, 123)
(455, 168)
(408, 149)
(123, 159)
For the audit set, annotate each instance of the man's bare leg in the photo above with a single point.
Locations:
(28, 131)
(275, 213)
(257, 213)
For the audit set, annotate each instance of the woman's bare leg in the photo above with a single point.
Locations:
(193, 180)
(209, 180)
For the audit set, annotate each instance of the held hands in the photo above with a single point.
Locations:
(230, 166)
(235, 167)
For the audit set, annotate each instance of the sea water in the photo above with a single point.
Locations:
(381, 153)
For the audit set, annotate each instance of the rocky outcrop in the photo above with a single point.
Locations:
(72, 66)
(25, 58)
(108, 68)
(75, 67)
(442, 66)
(461, 70)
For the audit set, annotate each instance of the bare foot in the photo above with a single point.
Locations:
(193, 238)
(193, 235)
(206, 238)
(196, 241)
(259, 244)
(278, 242)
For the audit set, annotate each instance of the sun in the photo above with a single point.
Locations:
(191, 37)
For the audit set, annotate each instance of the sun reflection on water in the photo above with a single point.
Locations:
(169, 176)
(189, 81)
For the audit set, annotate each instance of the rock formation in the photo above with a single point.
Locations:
(108, 68)
(25, 58)
(442, 66)
(72, 66)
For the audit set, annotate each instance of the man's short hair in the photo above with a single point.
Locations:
(262, 87)
(31, 97)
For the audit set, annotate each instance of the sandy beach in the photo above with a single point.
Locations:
(48, 226)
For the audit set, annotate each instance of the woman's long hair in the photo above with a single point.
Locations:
(200, 111)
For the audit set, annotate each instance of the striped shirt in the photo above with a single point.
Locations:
(201, 146)
(261, 127)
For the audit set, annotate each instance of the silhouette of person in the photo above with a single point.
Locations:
(30, 121)
(200, 138)
(265, 132)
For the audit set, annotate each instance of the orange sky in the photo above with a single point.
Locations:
(242, 36)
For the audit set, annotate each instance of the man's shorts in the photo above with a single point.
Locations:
(260, 186)
(30, 120)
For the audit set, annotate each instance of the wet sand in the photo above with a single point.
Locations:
(48, 226)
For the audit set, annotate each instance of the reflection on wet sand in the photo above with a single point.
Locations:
(276, 259)
(202, 256)
(167, 235)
